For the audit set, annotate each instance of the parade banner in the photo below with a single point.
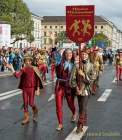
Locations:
(80, 23)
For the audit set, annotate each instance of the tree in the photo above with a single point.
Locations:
(17, 14)
(100, 37)
(61, 37)
(100, 40)
(30, 38)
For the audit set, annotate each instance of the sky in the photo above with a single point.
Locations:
(110, 9)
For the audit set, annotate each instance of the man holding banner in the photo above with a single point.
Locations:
(81, 79)
(80, 29)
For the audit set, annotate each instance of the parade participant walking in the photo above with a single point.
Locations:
(118, 63)
(62, 88)
(55, 58)
(11, 56)
(81, 79)
(97, 61)
(42, 64)
(52, 69)
(17, 61)
(30, 82)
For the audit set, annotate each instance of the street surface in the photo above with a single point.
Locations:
(104, 113)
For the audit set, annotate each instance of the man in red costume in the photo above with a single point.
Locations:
(30, 82)
(118, 63)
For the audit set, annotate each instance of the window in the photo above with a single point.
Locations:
(20, 45)
(56, 27)
(45, 34)
(101, 27)
(45, 27)
(62, 27)
(95, 27)
(55, 34)
(45, 40)
(50, 27)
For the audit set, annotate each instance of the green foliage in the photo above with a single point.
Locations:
(100, 38)
(61, 37)
(16, 13)
(30, 38)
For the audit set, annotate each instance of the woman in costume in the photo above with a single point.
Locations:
(62, 88)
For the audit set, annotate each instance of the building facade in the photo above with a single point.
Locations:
(36, 33)
(110, 30)
(5, 33)
(120, 39)
(52, 25)
(47, 28)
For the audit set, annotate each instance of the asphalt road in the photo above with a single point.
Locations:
(104, 117)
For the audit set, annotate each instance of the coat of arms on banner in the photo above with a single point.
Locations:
(80, 23)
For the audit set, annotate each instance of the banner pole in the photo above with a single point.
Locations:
(79, 65)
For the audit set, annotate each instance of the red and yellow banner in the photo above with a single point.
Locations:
(80, 23)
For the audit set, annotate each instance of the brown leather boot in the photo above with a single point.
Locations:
(79, 129)
(35, 113)
(26, 118)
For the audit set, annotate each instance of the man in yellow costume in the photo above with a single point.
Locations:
(97, 61)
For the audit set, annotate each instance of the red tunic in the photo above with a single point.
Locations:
(28, 78)
(29, 81)
(61, 73)
(63, 76)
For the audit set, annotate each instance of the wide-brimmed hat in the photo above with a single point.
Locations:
(28, 56)
(42, 51)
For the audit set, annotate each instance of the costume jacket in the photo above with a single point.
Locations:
(83, 77)
(29, 78)
(63, 74)
(97, 60)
